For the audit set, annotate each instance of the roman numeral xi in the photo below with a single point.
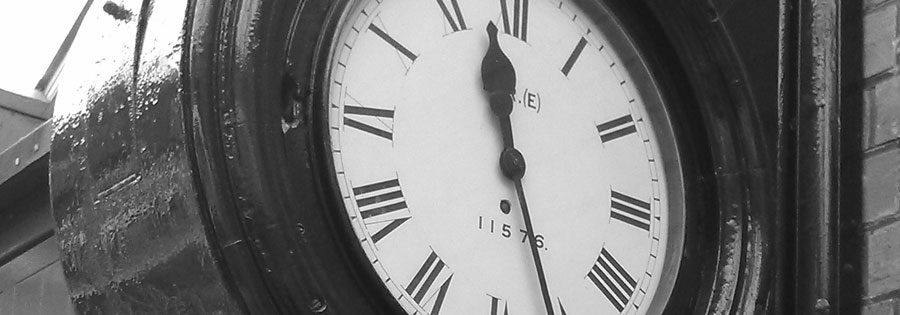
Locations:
(455, 18)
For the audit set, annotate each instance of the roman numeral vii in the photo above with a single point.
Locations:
(423, 283)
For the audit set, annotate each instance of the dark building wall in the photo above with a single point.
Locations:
(33, 283)
(881, 158)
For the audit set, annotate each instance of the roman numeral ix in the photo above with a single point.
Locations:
(381, 202)
(455, 19)
(375, 115)
(422, 284)
(630, 210)
(518, 26)
(615, 283)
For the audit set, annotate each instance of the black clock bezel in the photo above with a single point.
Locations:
(273, 220)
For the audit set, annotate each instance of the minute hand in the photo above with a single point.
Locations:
(499, 78)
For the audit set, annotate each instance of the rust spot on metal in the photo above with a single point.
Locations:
(117, 11)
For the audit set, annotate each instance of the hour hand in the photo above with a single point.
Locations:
(497, 72)
(499, 79)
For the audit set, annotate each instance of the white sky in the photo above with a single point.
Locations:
(30, 34)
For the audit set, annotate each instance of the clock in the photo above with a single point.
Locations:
(477, 157)
(503, 157)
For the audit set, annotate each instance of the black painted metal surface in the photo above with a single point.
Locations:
(823, 189)
(176, 190)
(124, 198)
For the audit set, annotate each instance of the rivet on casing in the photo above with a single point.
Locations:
(318, 305)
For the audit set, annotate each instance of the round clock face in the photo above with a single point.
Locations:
(416, 150)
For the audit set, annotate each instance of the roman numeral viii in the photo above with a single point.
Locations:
(630, 210)
(422, 284)
(515, 19)
(382, 206)
(616, 128)
(456, 18)
(373, 115)
(615, 283)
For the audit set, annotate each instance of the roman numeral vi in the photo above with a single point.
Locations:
(497, 304)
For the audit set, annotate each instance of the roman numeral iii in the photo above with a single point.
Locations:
(354, 114)
(615, 283)
(630, 210)
(515, 18)
(423, 283)
(455, 18)
(616, 128)
(379, 203)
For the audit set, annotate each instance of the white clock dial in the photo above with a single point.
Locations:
(415, 149)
